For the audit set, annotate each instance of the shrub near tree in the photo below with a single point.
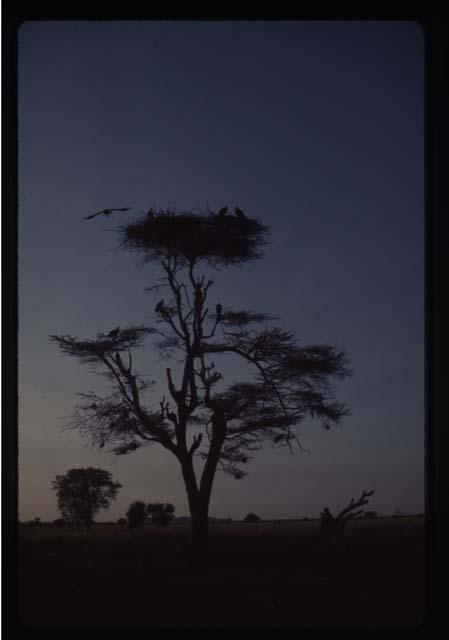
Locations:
(252, 517)
(59, 522)
(136, 514)
(197, 416)
(81, 493)
(161, 513)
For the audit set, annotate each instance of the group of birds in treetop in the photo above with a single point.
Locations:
(150, 213)
(238, 212)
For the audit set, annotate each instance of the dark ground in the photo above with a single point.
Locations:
(259, 575)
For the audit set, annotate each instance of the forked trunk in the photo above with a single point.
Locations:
(198, 507)
(198, 510)
(199, 497)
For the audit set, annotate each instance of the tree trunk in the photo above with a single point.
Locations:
(199, 498)
(198, 507)
(198, 510)
(207, 479)
(200, 523)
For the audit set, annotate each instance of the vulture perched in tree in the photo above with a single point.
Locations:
(223, 211)
(158, 308)
(105, 212)
(239, 213)
(114, 333)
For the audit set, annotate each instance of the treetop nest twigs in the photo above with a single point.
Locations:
(218, 240)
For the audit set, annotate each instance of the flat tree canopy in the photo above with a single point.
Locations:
(198, 415)
(217, 240)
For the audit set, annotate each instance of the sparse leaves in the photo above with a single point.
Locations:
(92, 351)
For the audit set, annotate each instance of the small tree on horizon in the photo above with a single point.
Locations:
(251, 517)
(136, 514)
(197, 416)
(82, 492)
(161, 512)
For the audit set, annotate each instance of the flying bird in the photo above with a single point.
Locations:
(105, 212)
(223, 211)
(239, 213)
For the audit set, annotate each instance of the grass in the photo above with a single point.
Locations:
(253, 575)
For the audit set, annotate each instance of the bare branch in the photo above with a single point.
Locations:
(354, 504)
(196, 443)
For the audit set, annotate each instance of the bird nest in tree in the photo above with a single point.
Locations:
(214, 238)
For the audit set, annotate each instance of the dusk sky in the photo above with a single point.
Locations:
(315, 128)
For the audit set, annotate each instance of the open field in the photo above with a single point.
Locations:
(259, 575)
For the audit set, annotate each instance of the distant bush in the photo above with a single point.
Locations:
(136, 514)
(161, 513)
(370, 514)
(228, 520)
(251, 517)
(60, 522)
(33, 523)
(122, 521)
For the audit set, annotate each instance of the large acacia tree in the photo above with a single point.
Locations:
(198, 416)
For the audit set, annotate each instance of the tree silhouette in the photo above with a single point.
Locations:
(136, 514)
(161, 512)
(82, 493)
(200, 418)
(329, 523)
(251, 517)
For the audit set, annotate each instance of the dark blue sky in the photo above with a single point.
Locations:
(317, 128)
